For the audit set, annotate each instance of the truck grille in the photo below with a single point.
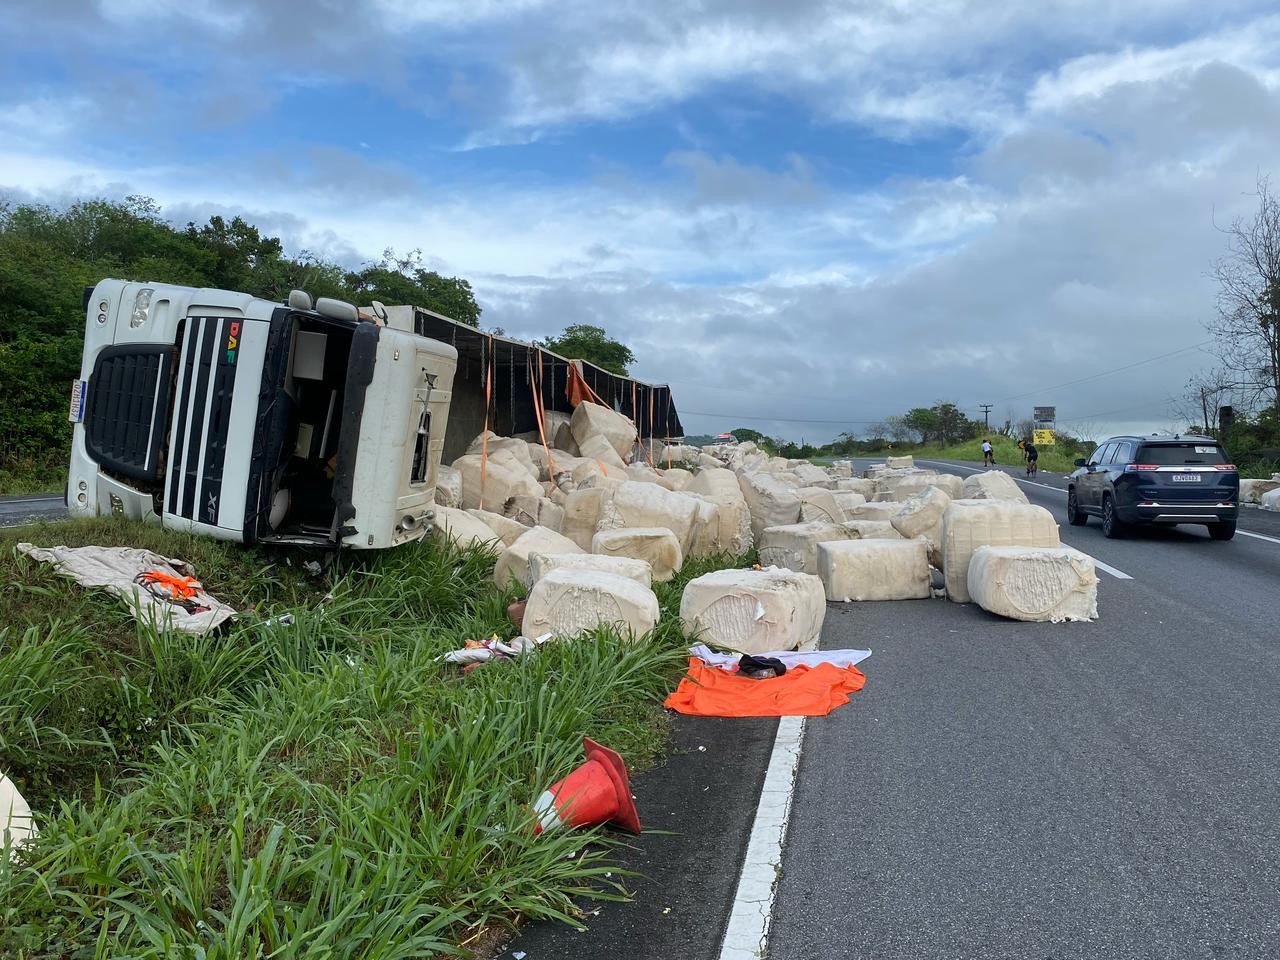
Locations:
(206, 377)
(127, 413)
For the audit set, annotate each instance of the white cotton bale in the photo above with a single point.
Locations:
(677, 453)
(1270, 500)
(875, 569)
(754, 611)
(15, 816)
(599, 449)
(908, 487)
(705, 534)
(647, 505)
(847, 500)
(921, 516)
(507, 530)
(1041, 584)
(460, 527)
(970, 524)
(870, 530)
(509, 451)
(657, 546)
(448, 487)
(772, 504)
(818, 504)
(643, 473)
(900, 463)
(535, 512)
(565, 441)
(540, 457)
(582, 509)
(873, 511)
(707, 460)
(593, 420)
(513, 562)
(714, 482)
(541, 564)
(679, 479)
(1252, 491)
(565, 603)
(795, 546)
(993, 485)
(856, 485)
(501, 483)
(841, 470)
(809, 473)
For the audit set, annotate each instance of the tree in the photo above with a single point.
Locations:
(404, 280)
(743, 434)
(582, 341)
(1247, 326)
(1202, 397)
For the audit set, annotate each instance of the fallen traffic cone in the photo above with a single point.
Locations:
(597, 792)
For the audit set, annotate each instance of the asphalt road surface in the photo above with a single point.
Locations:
(1100, 790)
(29, 507)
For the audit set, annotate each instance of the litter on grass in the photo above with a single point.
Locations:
(156, 589)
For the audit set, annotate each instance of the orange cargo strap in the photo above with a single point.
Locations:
(576, 389)
(540, 411)
(488, 402)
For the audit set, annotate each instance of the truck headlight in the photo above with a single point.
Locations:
(141, 307)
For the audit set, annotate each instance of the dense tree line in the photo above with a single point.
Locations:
(48, 256)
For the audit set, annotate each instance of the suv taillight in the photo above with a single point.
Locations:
(1135, 467)
(1224, 466)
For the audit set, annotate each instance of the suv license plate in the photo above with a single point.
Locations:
(1185, 478)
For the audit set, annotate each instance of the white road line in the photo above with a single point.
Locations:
(1118, 574)
(1256, 536)
(33, 500)
(747, 933)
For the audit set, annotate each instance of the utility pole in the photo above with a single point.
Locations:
(986, 414)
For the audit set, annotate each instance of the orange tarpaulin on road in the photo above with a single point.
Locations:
(802, 691)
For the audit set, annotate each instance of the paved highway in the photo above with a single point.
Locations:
(1102, 790)
(29, 507)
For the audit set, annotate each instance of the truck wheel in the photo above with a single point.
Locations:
(1075, 516)
(1222, 531)
(1112, 526)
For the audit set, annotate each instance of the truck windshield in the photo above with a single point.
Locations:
(1179, 454)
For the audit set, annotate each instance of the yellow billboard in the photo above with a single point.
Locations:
(1044, 438)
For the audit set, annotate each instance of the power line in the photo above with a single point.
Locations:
(740, 416)
(1040, 391)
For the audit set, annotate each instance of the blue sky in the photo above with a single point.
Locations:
(802, 211)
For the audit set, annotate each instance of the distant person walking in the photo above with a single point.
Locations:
(1033, 457)
(988, 454)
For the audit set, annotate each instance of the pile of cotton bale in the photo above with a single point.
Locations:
(1253, 491)
(595, 498)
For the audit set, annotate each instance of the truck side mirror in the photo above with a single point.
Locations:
(1080, 462)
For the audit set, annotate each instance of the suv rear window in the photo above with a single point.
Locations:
(1177, 454)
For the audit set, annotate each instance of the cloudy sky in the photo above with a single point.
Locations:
(804, 215)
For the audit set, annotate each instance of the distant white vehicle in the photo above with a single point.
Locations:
(222, 414)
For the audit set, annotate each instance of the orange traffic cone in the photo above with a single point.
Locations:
(597, 792)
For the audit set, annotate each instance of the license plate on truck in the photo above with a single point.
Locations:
(76, 413)
(1185, 478)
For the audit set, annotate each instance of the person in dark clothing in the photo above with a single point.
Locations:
(1033, 456)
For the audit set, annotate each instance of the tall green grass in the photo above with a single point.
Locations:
(326, 788)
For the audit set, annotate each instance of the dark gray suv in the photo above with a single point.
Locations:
(1161, 479)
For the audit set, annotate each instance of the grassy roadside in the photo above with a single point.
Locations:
(20, 475)
(319, 789)
(1006, 453)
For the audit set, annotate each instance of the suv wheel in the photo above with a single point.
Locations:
(1112, 526)
(1075, 516)
(1223, 531)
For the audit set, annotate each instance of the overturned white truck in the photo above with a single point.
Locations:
(312, 424)
(219, 413)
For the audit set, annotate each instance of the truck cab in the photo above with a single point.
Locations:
(223, 414)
